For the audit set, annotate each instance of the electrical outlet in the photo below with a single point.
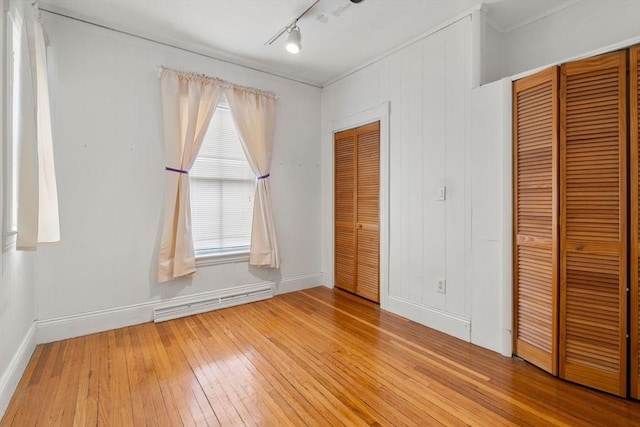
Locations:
(442, 286)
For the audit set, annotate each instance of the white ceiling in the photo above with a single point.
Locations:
(337, 35)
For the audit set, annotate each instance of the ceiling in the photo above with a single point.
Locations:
(337, 35)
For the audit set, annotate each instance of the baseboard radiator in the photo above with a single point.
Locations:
(209, 303)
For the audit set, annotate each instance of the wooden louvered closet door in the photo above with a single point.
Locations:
(535, 118)
(357, 195)
(634, 95)
(593, 265)
(345, 210)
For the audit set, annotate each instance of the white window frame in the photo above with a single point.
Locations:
(9, 223)
(208, 257)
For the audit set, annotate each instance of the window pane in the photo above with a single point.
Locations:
(222, 189)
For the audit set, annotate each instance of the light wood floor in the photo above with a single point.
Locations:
(316, 357)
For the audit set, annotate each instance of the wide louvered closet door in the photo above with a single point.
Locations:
(593, 267)
(535, 113)
(368, 208)
(357, 206)
(634, 96)
(345, 210)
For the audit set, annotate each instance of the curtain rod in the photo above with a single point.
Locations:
(160, 70)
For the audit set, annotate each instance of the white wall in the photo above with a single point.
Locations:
(491, 206)
(108, 138)
(17, 300)
(17, 314)
(582, 28)
(428, 87)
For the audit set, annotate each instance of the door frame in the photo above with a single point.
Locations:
(381, 114)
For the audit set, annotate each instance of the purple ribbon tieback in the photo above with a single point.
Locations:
(263, 177)
(177, 170)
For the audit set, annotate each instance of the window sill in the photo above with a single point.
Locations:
(217, 258)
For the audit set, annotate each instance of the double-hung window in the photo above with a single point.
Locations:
(222, 188)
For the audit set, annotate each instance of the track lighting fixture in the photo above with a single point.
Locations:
(293, 43)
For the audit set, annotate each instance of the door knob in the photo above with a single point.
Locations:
(579, 246)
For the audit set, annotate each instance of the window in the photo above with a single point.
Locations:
(222, 188)
(13, 66)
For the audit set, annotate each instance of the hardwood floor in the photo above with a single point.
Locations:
(316, 357)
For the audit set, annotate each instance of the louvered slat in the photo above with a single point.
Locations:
(344, 178)
(634, 97)
(345, 214)
(367, 211)
(368, 261)
(345, 259)
(593, 223)
(368, 176)
(535, 136)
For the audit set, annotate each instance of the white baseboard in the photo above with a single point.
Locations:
(507, 343)
(298, 283)
(49, 330)
(11, 376)
(60, 328)
(448, 323)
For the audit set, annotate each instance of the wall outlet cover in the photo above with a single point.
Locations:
(442, 286)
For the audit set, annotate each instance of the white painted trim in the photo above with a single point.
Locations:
(380, 113)
(76, 325)
(478, 23)
(225, 258)
(606, 49)
(398, 48)
(439, 320)
(298, 283)
(49, 330)
(493, 25)
(506, 316)
(11, 376)
(539, 16)
(9, 241)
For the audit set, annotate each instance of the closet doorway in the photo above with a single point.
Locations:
(576, 218)
(357, 210)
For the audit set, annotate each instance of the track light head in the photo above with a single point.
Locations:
(293, 43)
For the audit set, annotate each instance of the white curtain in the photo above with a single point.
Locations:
(253, 114)
(188, 102)
(38, 220)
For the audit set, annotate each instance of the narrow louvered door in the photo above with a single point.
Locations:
(357, 195)
(368, 197)
(535, 158)
(593, 266)
(345, 210)
(634, 96)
